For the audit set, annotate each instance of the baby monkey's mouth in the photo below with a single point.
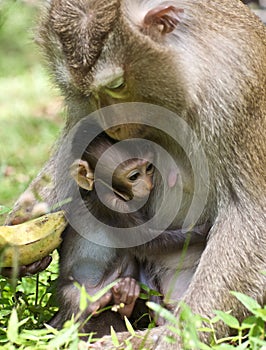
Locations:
(120, 195)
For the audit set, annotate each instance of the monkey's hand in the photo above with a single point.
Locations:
(126, 292)
(99, 304)
(28, 270)
(28, 209)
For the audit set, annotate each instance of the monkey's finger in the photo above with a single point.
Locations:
(117, 288)
(134, 292)
(131, 300)
(9, 272)
(28, 270)
(130, 291)
(93, 308)
(100, 303)
(105, 299)
(127, 310)
(17, 220)
(38, 266)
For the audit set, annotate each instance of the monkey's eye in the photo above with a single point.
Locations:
(150, 168)
(134, 176)
(117, 89)
(118, 83)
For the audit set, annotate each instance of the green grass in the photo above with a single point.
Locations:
(30, 109)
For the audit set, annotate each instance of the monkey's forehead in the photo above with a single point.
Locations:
(83, 34)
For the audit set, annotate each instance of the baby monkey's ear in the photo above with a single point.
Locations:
(82, 173)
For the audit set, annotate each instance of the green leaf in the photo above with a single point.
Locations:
(249, 322)
(143, 296)
(129, 346)
(225, 347)
(129, 327)
(170, 339)
(247, 301)
(243, 346)
(63, 337)
(83, 299)
(12, 330)
(4, 210)
(114, 337)
(228, 319)
(204, 346)
(205, 329)
(98, 295)
(22, 322)
(166, 314)
(261, 343)
(144, 287)
(155, 293)
(261, 313)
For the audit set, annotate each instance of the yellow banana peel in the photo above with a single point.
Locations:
(31, 241)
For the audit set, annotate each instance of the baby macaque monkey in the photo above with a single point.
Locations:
(132, 179)
(125, 178)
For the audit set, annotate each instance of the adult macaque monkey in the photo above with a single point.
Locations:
(206, 61)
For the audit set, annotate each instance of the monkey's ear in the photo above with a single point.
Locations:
(172, 177)
(164, 18)
(82, 173)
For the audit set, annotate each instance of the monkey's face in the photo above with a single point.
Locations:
(135, 179)
(136, 82)
(116, 53)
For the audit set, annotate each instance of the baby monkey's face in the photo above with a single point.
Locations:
(134, 178)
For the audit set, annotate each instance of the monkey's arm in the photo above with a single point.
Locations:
(28, 270)
(34, 202)
(41, 189)
(92, 266)
(219, 271)
(172, 240)
(236, 244)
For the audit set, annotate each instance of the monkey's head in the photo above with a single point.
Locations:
(110, 52)
(187, 56)
(125, 167)
(133, 179)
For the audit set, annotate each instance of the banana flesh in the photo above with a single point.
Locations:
(31, 241)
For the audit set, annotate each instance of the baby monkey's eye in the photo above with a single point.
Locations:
(134, 176)
(150, 168)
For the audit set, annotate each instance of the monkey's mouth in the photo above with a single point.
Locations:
(124, 197)
(125, 131)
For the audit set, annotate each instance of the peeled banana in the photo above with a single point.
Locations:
(31, 241)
